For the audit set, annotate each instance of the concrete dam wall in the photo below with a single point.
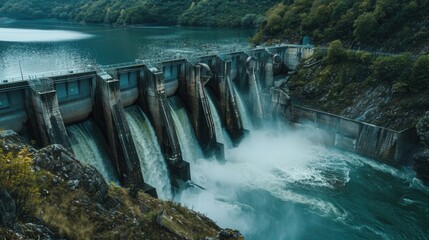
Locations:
(45, 108)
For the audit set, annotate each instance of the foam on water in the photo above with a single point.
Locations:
(269, 162)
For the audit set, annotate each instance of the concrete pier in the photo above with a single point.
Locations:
(222, 88)
(44, 114)
(109, 115)
(153, 100)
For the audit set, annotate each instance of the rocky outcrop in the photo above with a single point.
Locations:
(422, 128)
(73, 201)
(55, 158)
(228, 234)
(7, 210)
(421, 159)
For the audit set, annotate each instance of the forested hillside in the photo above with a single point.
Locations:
(98, 11)
(215, 13)
(390, 25)
(226, 13)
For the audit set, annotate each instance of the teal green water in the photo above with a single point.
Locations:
(277, 184)
(282, 185)
(62, 46)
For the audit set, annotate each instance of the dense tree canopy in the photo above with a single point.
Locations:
(215, 13)
(394, 25)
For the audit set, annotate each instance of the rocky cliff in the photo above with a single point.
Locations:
(60, 198)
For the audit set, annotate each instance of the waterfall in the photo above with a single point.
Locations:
(191, 150)
(90, 148)
(244, 114)
(221, 133)
(152, 162)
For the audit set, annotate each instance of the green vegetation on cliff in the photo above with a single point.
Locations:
(48, 194)
(391, 25)
(214, 13)
(389, 91)
(226, 13)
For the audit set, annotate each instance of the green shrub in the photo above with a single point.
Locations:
(420, 73)
(400, 87)
(18, 178)
(336, 52)
(392, 68)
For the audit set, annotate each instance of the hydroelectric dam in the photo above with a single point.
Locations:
(144, 124)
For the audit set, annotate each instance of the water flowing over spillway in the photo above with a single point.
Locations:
(222, 135)
(244, 113)
(90, 148)
(191, 149)
(152, 162)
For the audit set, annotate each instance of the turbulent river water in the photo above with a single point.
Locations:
(278, 183)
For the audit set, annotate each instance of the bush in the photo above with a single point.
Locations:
(392, 68)
(336, 52)
(400, 87)
(420, 75)
(18, 178)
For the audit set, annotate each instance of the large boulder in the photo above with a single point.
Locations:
(56, 159)
(7, 210)
(422, 128)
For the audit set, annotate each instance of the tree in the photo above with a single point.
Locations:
(364, 27)
(336, 52)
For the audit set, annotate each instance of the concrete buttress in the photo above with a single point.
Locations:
(153, 100)
(44, 114)
(109, 116)
(191, 91)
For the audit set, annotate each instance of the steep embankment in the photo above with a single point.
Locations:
(215, 13)
(389, 91)
(387, 25)
(47, 194)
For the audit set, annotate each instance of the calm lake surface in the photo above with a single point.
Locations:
(278, 184)
(44, 46)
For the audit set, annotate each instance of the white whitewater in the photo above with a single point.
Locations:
(222, 135)
(265, 162)
(191, 150)
(152, 162)
(90, 148)
(244, 113)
